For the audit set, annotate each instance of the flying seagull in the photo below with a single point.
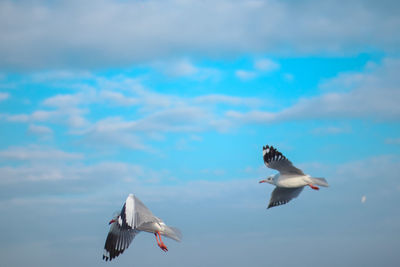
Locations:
(133, 218)
(290, 180)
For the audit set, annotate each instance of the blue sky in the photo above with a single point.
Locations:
(173, 101)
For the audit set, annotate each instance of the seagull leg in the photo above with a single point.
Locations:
(158, 243)
(313, 187)
(161, 243)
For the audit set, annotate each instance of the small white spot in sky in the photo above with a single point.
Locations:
(363, 199)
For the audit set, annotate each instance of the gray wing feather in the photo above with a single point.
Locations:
(282, 195)
(143, 214)
(118, 239)
(276, 160)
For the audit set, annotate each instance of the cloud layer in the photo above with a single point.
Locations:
(119, 33)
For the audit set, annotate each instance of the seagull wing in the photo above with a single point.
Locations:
(282, 195)
(118, 239)
(134, 213)
(275, 160)
(143, 214)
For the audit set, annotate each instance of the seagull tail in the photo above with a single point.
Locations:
(320, 181)
(172, 232)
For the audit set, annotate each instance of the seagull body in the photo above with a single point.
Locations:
(290, 180)
(134, 218)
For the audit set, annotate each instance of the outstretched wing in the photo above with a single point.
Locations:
(134, 213)
(275, 160)
(118, 239)
(282, 195)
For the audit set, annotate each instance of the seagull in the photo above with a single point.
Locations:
(133, 218)
(290, 180)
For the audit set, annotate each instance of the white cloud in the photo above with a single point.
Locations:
(226, 99)
(4, 96)
(331, 130)
(118, 98)
(65, 100)
(34, 153)
(266, 65)
(155, 113)
(57, 75)
(186, 68)
(374, 169)
(181, 68)
(260, 67)
(39, 38)
(251, 116)
(40, 130)
(72, 117)
(373, 94)
(245, 74)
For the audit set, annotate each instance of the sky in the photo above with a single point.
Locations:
(173, 101)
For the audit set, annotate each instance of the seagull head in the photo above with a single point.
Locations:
(269, 180)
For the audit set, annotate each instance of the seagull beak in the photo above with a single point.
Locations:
(112, 221)
(262, 181)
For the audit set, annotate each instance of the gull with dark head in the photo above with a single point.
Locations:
(290, 180)
(134, 218)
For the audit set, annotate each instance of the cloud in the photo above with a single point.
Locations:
(34, 152)
(40, 130)
(226, 99)
(245, 74)
(118, 98)
(4, 96)
(260, 67)
(266, 65)
(83, 112)
(383, 167)
(185, 68)
(372, 94)
(75, 176)
(331, 130)
(97, 37)
(72, 117)
(178, 68)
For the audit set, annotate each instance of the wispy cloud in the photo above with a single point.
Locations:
(260, 67)
(266, 65)
(40, 130)
(226, 99)
(34, 153)
(100, 38)
(331, 130)
(371, 94)
(245, 74)
(4, 96)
